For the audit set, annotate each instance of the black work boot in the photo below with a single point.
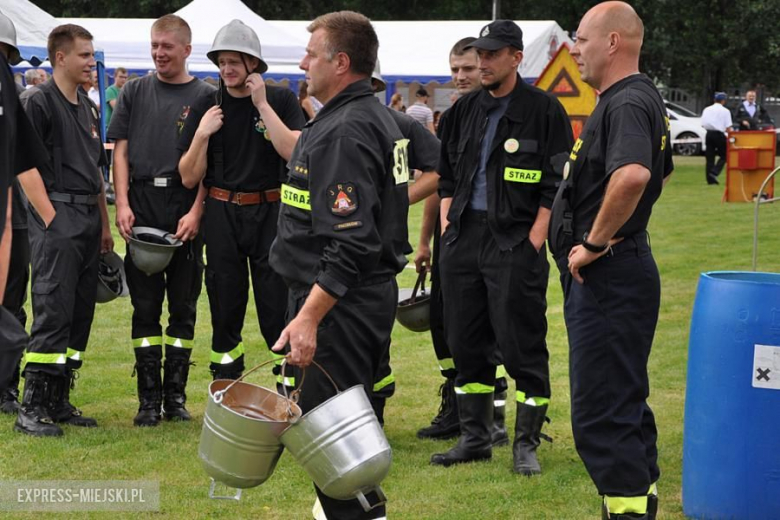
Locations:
(147, 368)
(446, 424)
(476, 418)
(528, 435)
(9, 396)
(652, 510)
(175, 373)
(498, 433)
(33, 416)
(60, 407)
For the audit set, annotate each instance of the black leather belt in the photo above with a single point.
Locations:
(73, 198)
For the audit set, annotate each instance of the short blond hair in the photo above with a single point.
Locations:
(174, 23)
(351, 33)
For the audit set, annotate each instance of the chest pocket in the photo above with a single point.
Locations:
(523, 161)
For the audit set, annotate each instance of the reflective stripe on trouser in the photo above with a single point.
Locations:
(179, 342)
(351, 343)
(64, 280)
(494, 298)
(288, 379)
(620, 505)
(611, 323)
(520, 397)
(225, 358)
(152, 341)
(474, 388)
(238, 240)
(182, 279)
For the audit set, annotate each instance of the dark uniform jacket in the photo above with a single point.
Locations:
(344, 207)
(760, 117)
(520, 173)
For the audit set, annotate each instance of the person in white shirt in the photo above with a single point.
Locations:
(420, 111)
(716, 120)
(93, 92)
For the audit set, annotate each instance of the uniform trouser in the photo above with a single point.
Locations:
(611, 321)
(234, 236)
(351, 342)
(18, 275)
(494, 297)
(716, 146)
(182, 278)
(64, 285)
(438, 338)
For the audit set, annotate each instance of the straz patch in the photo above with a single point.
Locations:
(342, 226)
(342, 199)
(401, 161)
(295, 197)
(520, 175)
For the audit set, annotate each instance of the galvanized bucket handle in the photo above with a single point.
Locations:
(297, 391)
(220, 394)
(419, 285)
(364, 501)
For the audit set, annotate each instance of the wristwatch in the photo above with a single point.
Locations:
(592, 247)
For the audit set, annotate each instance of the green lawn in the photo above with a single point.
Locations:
(692, 231)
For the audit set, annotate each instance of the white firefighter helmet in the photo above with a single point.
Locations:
(8, 36)
(152, 249)
(237, 37)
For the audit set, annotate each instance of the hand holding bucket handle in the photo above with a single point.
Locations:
(220, 394)
(419, 285)
(297, 392)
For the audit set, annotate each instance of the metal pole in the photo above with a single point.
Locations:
(496, 9)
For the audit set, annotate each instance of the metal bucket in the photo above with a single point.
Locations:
(239, 443)
(341, 446)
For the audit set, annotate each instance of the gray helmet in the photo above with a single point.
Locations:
(152, 249)
(414, 312)
(237, 37)
(112, 282)
(380, 85)
(8, 36)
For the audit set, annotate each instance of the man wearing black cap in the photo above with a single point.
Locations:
(498, 180)
(716, 120)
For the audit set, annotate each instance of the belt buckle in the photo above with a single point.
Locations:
(160, 182)
(237, 198)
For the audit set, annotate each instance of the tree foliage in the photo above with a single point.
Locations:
(700, 45)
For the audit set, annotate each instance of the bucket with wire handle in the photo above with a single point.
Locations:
(239, 442)
(341, 445)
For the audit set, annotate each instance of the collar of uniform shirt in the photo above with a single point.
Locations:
(359, 88)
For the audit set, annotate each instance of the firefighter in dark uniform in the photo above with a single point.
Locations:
(20, 151)
(230, 144)
(146, 125)
(446, 423)
(67, 233)
(598, 234)
(497, 184)
(342, 227)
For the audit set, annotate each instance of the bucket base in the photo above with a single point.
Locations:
(213, 488)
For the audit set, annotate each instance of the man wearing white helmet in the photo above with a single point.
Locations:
(227, 145)
(146, 124)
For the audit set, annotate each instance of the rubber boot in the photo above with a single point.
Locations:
(446, 424)
(33, 416)
(474, 443)
(175, 374)
(498, 434)
(147, 367)
(652, 511)
(60, 407)
(9, 397)
(528, 435)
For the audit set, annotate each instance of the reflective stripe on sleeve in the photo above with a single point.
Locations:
(386, 381)
(295, 197)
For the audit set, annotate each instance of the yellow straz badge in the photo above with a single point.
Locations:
(295, 197)
(401, 161)
(342, 199)
(520, 175)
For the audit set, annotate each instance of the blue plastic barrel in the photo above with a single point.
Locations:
(731, 446)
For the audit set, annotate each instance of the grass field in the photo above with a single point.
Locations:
(691, 230)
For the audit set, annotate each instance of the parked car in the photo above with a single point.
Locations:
(688, 136)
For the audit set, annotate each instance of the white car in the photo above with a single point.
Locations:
(688, 136)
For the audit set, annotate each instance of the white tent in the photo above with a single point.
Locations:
(125, 42)
(419, 51)
(33, 26)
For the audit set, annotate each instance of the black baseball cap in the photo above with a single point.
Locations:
(497, 35)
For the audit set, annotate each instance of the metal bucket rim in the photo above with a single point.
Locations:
(322, 404)
(294, 406)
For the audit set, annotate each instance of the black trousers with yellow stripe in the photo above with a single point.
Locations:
(238, 239)
(351, 343)
(64, 285)
(495, 298)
